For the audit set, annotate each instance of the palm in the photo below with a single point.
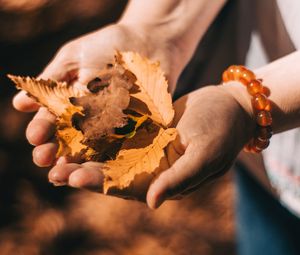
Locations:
(78, 62)
(211, 127)
(206, 147)
(204, 119)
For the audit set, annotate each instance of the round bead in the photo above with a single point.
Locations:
(248, 146)
(225, 76)
(266, 91)
(254, 87)
(256, 150)
(248, 75)
(264, 133)
(268, 107)
(261, 102)
(230, 73)
(243, 81)
(238, 70)
(264, 118)
(261, 144)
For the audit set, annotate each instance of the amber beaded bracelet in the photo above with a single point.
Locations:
(260, 102)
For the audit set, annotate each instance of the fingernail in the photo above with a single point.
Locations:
(57, 183)
(55, 179)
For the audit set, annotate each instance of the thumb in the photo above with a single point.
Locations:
(73, 74)
(58, 70)
(85, 75)
(180, 176)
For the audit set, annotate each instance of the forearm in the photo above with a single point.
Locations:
(282, 77)
(178, 23)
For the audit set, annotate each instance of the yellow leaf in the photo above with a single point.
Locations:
(152, 86)
(121, 119)
(51, 94)
(55, 96)
(132, 162)
(70, 140)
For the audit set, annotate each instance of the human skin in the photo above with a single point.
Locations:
(160, 30)
(216, 122)
(213, 123)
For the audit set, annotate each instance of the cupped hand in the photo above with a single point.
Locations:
(213, 123)
(79, 62)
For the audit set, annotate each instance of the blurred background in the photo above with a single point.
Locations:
(38, 218)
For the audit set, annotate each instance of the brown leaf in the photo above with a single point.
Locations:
(132, 162)
(104, 106)
(51, 94)
(120, 119)
(153, 86)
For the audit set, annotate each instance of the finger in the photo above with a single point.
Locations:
(24, 103)
(44, 155)
(52, 72)
(207, 180)
(177, 178)
(84, 76)
(60, 66)
(59, 174)
(61, 160)
(89, 177)
(41, 128)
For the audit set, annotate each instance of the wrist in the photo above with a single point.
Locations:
(238, 92)
(260, 103)
(228, 111)
(150, 42)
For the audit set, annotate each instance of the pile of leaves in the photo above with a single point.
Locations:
(121, 118)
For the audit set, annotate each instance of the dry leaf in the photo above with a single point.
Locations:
(70, 140)
(56, 97)
(105, 104)
(153, 86)
(51, 94)
(122, 119)
(130, 163)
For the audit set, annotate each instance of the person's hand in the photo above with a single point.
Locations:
(213, 125)
(78, 62)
